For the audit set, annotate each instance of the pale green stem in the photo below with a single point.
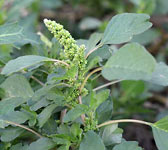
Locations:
(124, 120)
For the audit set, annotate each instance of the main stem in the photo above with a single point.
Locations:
(124, 120)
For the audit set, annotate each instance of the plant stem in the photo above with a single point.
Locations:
(21, 126)
(83, 115)
(59, 61)
(37, 80)
(84, 82)
(107, 84)
(94, 49)
(124, 120)
(63, 113)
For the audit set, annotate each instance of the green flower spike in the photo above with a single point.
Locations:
(64, 38)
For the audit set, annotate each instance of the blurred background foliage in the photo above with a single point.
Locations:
(131, 99)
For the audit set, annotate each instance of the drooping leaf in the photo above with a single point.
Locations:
(130, 62)
(99, 98)
(21, 89)
(146, 37)
(122, 27)
(127, 146)
(159, 76)
(162, 124)
(75, 112)
(14, 116)
(104, 111)
(46, 114)
(23, 62)
(92, 141)
(111, 135)
(160, 137)
(8, 105)
(19, 146)
(10, 33)
(11, 133)
(42, 144)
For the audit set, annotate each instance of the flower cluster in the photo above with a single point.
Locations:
(72, 54)
(64, 38)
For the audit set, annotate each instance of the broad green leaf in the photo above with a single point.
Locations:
(11, 133)
(130, 62)
(10, 33)
(146, 37)
(75, 112)
(27, 38)
(14, 116)
(76, 131)
(92, 42)
(111, 135)
(159, 76)
(42, 144)
(99, 98)
(92, 141)
(19, 146)
(8, 105)
(127, 146)
(17, 86)
(32, 115)
(103, 52)
(162, 124)
(23, 62)
(160, 137)
(104, 111)
(122, 27)
(46, 114)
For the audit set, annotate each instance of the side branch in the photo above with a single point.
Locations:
(88, 76)
(124, 120)
(24, 127)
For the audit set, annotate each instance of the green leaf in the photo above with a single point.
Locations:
(130, 62)
(146, 37)
(160, 137)
(42, 144)
(8, 105)
(99, 98)
(10, 33)
(92, 141)
(23, 62)
(19, 146)
(162, 124)
(111, 135)
(104, 111)
(46, 114)
(127, 146)
(122, 27)
(75, 112)
(14, 116)
(11, 133)
(17, 86)
(159, 76)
